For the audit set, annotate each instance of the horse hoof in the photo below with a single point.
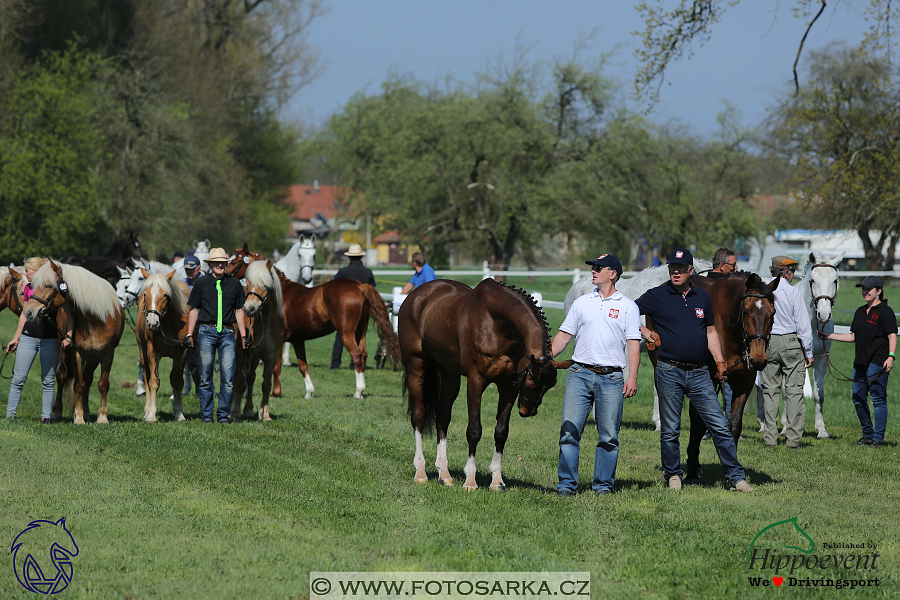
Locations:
(180, 417)
(308, 395)
(148, 419)
(470, 488)
(691, 481)
(501, 487)
(447, 481)
(78, 421)
(823, 436)
(102, 419)
(423, 479)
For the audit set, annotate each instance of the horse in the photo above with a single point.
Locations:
(122, 285)
(744, 311)
(12, 287)
(119, 254)
(99, 322)
(160, 330)
(490, 334)
(341, 305)
(201, 251)
(137, 278)
(265, 327)
(297, 265)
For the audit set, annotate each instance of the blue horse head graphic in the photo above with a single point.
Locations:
(36, 541)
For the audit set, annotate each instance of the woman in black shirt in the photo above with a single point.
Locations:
(874, 330)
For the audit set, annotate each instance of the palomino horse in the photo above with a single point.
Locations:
(265, 326)
(744, 310)
(341, 305)
(12, 286)
(160, 329)
(492, 334)
(99, 321)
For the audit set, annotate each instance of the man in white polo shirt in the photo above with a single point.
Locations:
(605, 324)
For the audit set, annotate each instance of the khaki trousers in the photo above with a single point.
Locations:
(785, 361)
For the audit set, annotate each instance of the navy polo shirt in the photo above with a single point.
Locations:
(681, 321)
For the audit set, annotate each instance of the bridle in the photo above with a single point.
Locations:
(745, 356)
(519, 383)
(816, 299)
(161, 332)
(61, 287)
(15, 292)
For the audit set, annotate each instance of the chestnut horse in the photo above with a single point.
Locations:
(12, 286)
(490, 334)
(160, 330)
(744, 310)
(265, 326)
(99, 321)
(341, 305)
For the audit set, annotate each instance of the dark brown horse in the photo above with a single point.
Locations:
(341, 305)
(744, 309)
(120, 254)
(490, 334)
(99, 322)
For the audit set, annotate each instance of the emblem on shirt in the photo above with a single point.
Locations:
(614, 313)
(699, 312)
(874, 319)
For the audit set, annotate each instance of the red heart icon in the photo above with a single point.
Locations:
(778, 581)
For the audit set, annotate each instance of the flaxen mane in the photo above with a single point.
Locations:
(259, 276)
(168, 286)
(5, 279)
(88, 292)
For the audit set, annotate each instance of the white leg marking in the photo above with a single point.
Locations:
(469, 470)
(309, 387)
(286, 356)
(419, 460)
(360, 385)
(496, 468)
(441, 463)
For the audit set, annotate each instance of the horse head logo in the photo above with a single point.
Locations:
(36, 541)
(789, 532)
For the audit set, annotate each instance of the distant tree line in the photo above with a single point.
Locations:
(157, 117)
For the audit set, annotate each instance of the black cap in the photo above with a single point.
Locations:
(177, 254)
(680, 256)
(607, 260)
(871, 281)
(191, 262)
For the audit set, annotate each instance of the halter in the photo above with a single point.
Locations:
(15, 293)
(161, 332)
(830, 299)
(745, 356)
(262, 299)
(60, 288)
(153, 311)
(519, 383)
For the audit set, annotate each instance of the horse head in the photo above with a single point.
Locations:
(155, 298)
(307, 255)
(35, 542)
(538, 377)
(237, 266)
(12, 283)
(50, 292)
(134, 286)
(122, 285)
(260, 283)
(822, 273)
(757, 316)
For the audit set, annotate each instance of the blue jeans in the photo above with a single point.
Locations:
(29, 347)
(585, 390)
(861, 389)
(209, 341)
(672, 385)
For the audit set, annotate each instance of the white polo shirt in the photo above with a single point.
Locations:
(601, 327)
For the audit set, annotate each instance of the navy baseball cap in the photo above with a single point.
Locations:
(680, 256)
(607, 260)
(191, 262)
(177, 254)
(871, 281)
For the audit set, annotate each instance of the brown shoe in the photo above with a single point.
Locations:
(742, 486)
(675, 482)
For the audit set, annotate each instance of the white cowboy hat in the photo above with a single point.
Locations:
(355, 250)
(217, 255)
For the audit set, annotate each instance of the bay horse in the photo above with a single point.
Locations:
(265, 327)
(744, 311)
(341, 305)
(490, 334)
(160, 330)
(99, 322)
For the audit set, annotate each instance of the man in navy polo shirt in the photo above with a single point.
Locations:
(683, 317)
(606, 324)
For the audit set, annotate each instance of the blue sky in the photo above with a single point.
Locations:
(748, 58)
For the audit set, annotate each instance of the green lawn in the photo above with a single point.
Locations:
(248, 510)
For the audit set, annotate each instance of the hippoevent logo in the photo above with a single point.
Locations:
(42, 556)
(783, 554)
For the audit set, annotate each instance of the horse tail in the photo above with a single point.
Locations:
(383, 320)
(431, 393)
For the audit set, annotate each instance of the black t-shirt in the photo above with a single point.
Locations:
(871, 330)
(357, 272)
(205, 298)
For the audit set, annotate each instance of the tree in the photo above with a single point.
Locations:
(840, 132)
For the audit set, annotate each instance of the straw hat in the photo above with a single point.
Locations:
(355, 250)
(217, 255)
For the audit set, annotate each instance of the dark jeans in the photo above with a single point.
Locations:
(861, 388)
(337, 351)
(210, 341)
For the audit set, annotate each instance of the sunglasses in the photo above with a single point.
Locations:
(597, 269)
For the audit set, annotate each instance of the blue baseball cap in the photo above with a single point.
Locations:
(191, 262)
(680, 256)
(606, 260)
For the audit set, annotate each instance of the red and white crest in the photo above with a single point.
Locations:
(679, 254)
(614, 313)
(699, 313)
(602, 256)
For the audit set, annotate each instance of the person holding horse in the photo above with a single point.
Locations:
(683, 316)
(217, 305)
(607, 326)
(33, 339)
(724, 264)
(192, 272)
(874, 331)
(789, 354)
(424, 273)
(356, 271)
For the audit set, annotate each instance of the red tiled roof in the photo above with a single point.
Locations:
(388, 237)
(305, 201)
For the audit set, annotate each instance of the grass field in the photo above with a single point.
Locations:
(248, 510)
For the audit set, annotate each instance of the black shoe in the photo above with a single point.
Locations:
(565, 493)
(46, 421)
(876, 444)
(864, 441)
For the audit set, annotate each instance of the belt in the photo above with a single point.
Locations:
(681, 365)
(600, 370)
(213, 323)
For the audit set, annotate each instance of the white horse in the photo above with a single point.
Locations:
(634, 288)
(201, 251)
(818, 288)
(135, 281)
(297, 265)
(122, 285)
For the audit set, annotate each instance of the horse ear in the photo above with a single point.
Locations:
(122, 272)
(268, 265)
(57, 268)
(171, 275)
(246, 248)
(774, 284)
(144, 273)
(195, 244)
(812, 258)
(837, 259)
